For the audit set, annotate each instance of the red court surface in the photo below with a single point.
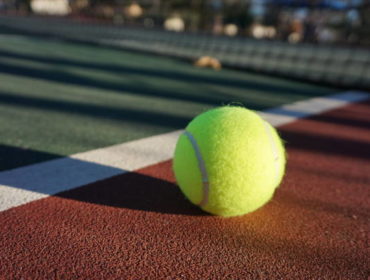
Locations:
(139, 226)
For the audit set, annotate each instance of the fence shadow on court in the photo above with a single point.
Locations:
(175, 74)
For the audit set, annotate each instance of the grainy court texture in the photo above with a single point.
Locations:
(138, 225)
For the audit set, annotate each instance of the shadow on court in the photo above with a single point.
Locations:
(12, 157)
(138, 192)
(123, 189)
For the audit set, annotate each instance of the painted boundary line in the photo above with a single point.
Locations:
(26, 184)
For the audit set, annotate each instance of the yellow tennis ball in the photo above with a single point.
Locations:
(229, 161)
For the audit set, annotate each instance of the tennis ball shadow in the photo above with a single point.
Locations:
(135, 191)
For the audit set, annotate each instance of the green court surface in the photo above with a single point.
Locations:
(58, 98)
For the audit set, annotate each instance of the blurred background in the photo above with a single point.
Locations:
(321, 41)
(345, 22)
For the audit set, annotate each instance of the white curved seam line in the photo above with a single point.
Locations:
(273, 147)
(202, 168)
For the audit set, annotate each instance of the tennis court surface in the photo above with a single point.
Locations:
(86, 183)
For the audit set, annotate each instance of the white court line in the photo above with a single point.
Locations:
(25, 184)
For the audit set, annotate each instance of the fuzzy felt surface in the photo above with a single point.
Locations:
(244, 159)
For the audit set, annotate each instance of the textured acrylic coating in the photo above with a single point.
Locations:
(241, 157)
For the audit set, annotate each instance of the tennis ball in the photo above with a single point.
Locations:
(229, 161)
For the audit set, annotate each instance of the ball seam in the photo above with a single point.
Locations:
(202, 168)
